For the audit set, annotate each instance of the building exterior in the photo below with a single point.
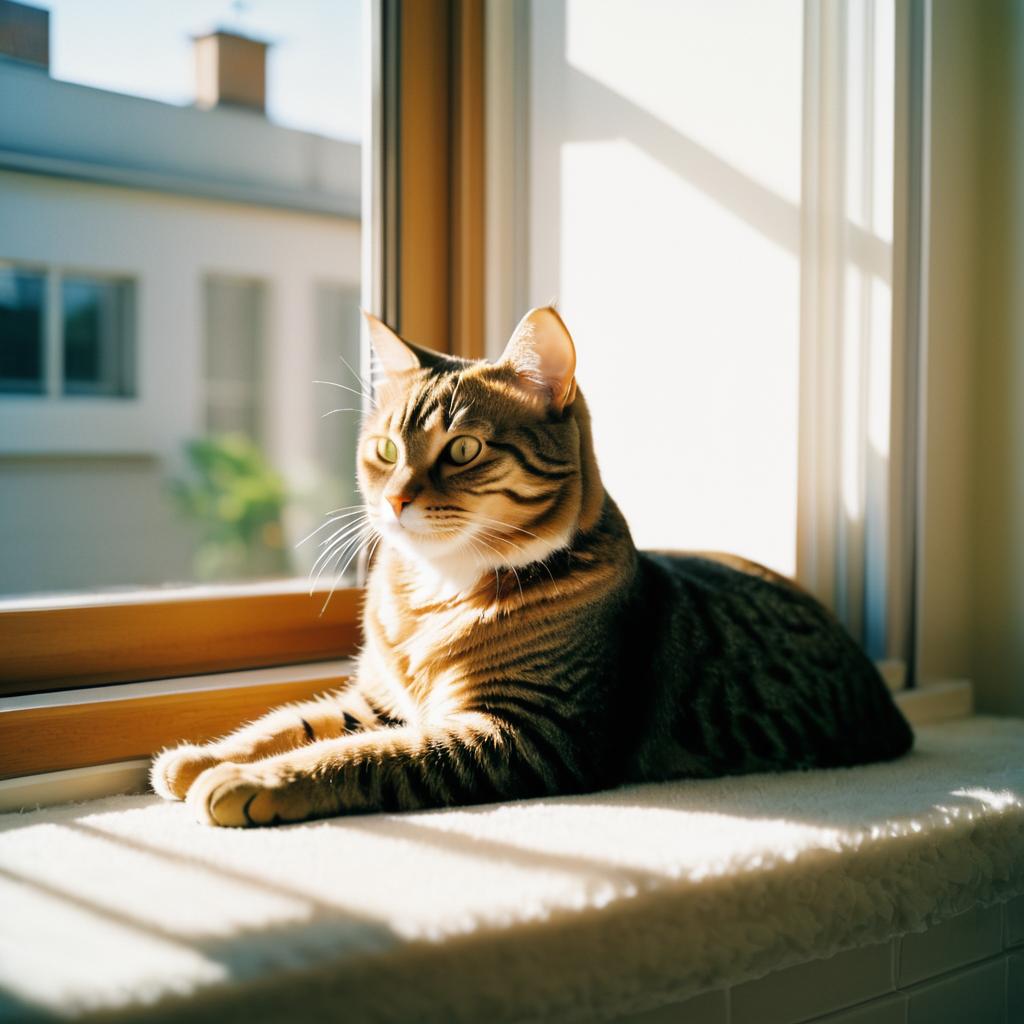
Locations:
(166, 274)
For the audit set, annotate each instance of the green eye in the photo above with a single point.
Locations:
(462, 450)
(387, 449)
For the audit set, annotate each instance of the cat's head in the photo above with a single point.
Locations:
(470, 466)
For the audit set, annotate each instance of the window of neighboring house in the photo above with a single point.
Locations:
(234, 315)
(84, 348)
(22, 341)
(98, 336)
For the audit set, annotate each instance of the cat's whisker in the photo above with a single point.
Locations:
(519, 547)
(511, 568)
(341, 575)
(353, 543)
(484, 560)
(368, 393)
(343, 531)
(352, 521)
(331, 412)
(507, 526)
(332, 519)
(344, 508)
(345, 387)
(341, 542)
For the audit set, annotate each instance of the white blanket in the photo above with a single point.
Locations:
(569, 909)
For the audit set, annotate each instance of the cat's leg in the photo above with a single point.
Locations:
(471, 759)
(292, 725)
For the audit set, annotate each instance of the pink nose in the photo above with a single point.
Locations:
(398, 502)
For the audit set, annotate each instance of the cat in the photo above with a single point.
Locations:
(516, 644)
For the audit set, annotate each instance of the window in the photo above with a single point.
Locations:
(86, 349)
(98, 319)
(234, 313)
(22, 365)
(160, 294)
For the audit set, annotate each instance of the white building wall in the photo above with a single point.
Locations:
(79, 478)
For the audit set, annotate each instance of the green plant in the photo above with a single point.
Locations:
(237, 499)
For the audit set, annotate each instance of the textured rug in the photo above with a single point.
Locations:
(571, 909)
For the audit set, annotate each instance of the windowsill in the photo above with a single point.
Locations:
(935, 702)
(571, 908)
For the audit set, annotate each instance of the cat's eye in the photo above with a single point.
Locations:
(387, 450)
(462, 450)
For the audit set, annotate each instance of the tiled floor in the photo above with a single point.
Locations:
(968, 970)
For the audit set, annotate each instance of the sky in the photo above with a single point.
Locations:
(144, 48)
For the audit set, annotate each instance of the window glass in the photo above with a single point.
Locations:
(167, 306)
(98, 337)
(22, 297)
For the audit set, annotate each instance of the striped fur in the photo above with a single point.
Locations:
(518, 645)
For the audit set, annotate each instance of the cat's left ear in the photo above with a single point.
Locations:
(395, 355)
(543, 355)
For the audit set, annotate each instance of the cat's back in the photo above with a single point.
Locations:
(754, 673)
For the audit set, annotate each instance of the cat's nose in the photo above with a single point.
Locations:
(398, 502)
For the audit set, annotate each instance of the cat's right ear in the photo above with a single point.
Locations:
(543, 356)
(393, 354)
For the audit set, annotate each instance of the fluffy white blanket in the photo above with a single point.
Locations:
(565, 909)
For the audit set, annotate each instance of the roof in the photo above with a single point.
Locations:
(76, 131)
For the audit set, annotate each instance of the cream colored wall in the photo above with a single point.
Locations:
(997, 464)
(972, 613)
(946, 571)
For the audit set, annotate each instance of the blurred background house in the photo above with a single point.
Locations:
(169, 274)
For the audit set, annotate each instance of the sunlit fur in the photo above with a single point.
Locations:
(517, 644)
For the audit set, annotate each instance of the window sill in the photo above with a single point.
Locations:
(108, 731)
(103, 725)
(567, 909)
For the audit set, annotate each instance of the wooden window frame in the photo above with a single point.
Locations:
(424, 251)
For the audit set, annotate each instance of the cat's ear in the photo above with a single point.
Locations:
(543, 356)
(393, 354)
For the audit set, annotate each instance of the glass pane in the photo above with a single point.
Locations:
(184, 442)
(98, 337)
(22, 297)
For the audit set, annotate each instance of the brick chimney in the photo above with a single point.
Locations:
(25, 33)
(230, 71)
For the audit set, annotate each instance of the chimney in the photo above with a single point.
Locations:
(230, 71)
(25, 33)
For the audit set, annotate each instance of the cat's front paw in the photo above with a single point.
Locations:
(246, 796)
(174, 771)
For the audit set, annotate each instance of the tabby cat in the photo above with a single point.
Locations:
(516, 642)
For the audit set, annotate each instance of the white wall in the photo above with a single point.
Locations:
(665, 156)
(167, 244)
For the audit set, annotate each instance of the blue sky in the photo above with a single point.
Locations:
(143, 47)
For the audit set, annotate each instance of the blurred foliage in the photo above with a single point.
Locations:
(237, 499)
